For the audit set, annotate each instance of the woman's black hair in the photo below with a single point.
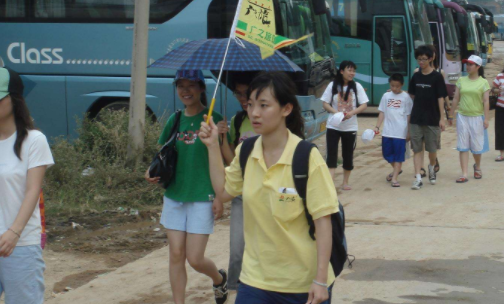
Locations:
(23, 121)
(339, 82)
(284, 91)
(481, 71)
(435, 62)
(203, 98)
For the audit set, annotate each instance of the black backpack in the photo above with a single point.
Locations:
(300, 169)
(164, 163)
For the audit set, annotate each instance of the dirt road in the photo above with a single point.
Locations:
(442, 244)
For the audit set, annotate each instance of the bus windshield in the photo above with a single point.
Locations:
(451, 41)
(419, 23)
(472, 36)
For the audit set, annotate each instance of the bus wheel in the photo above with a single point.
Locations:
(121, 105)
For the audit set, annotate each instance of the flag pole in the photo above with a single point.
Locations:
(232, 35)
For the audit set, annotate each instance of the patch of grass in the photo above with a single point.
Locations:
(100, 150)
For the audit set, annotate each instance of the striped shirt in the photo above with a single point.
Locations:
(499, 83)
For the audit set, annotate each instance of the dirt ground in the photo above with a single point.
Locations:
(409, 250)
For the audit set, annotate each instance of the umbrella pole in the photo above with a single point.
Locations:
(225, 96)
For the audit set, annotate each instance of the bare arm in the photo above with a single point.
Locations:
(323, 226)
(209, 135)
(329, 108)
(9, 239)
(455, 102)
(486, 105)
(381, 117)
(227, 152)
(441, 102)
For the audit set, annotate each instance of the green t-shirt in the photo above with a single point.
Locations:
(471, 95)
(246, 130)
(192, 178)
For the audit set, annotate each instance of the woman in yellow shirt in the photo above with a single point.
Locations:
(281, 263)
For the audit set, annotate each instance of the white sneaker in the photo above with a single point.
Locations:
(417, 185)
(432, 175)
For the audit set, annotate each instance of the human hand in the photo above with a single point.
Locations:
(317, 294)
(450, 122)
(217, 209)
(486, 124)
(348, 115)
(222, 126)
(442, 125)
(408, 137)
(151, 180)
(209, 133)
(8, 242)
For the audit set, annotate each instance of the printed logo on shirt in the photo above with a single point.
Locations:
(346, 106)
(394, 103)
(423, 86)
(188, 137)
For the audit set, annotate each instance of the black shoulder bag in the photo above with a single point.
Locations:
(165, 162)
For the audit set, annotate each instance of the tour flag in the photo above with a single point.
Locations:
(256, 24)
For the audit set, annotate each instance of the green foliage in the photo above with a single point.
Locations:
(91, 172)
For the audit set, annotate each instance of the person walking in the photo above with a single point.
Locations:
(281, 264)
(189, 208)
(24, 158)
(472, 92)
(499, 116)
(346, 96)
(395, 109)
(428, 91)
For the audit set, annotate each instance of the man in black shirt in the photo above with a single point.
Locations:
(428, 90)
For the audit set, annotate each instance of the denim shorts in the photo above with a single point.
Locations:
(251, 295)
(195, 218)
(22, 276)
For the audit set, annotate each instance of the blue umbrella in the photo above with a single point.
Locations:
(207, 54)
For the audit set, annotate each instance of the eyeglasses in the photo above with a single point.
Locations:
(239, 95)
(422, 59)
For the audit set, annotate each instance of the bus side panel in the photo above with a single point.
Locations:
(359, 51)
(45, 97)
(315, 116)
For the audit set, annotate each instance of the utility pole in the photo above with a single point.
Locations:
(136, 127)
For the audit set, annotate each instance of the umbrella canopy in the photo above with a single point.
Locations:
(207, 54)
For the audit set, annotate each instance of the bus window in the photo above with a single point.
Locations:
(419, 23)
(11, 9)
(390, 36)
(349, 20)
(90, 11)
(451, 40)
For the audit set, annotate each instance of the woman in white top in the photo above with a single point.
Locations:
(346, 96)
(24, 158)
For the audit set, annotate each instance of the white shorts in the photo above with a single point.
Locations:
(471, 134)
(195, 218)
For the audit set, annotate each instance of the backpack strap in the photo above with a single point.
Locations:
(245, 150)
(300, 170)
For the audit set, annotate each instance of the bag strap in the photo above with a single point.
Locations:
(245, 150)
(175, 127)
(300, 170)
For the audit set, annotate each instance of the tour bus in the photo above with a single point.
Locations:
(380, 37)
(75, 56)
(444, 35)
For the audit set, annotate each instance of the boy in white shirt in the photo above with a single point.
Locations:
(395, 109)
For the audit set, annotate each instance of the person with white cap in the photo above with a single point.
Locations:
(24, 157)
(472, 92)
(395, 109)
(345, 98)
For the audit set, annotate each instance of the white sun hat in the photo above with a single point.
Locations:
(368, 136)
(336, 119)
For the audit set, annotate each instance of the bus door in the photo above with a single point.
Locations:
(390, 52)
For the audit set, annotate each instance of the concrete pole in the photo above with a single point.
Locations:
(136, 126)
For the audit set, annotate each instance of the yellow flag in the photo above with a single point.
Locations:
(256, 24)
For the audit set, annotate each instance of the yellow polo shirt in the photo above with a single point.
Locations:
(279, 253)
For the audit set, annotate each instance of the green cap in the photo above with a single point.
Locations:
(10, 82)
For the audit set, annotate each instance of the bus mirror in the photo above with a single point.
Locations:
(319, 7)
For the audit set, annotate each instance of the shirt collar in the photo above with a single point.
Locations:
(288, 153)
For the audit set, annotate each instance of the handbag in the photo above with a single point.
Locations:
(165, 162)
(494, 98)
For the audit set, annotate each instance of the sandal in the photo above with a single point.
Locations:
(437, 166)
(477, 173)
(499, 158)
(396, 185)
(423, 172)
(462, 180)
(389, 177)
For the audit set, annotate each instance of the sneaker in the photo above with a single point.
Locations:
(417, 185)
(432, 175)
(221, 290)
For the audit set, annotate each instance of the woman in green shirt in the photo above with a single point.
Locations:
(189, 208)
(472, 92)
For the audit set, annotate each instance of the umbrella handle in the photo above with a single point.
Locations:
(210, 111)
